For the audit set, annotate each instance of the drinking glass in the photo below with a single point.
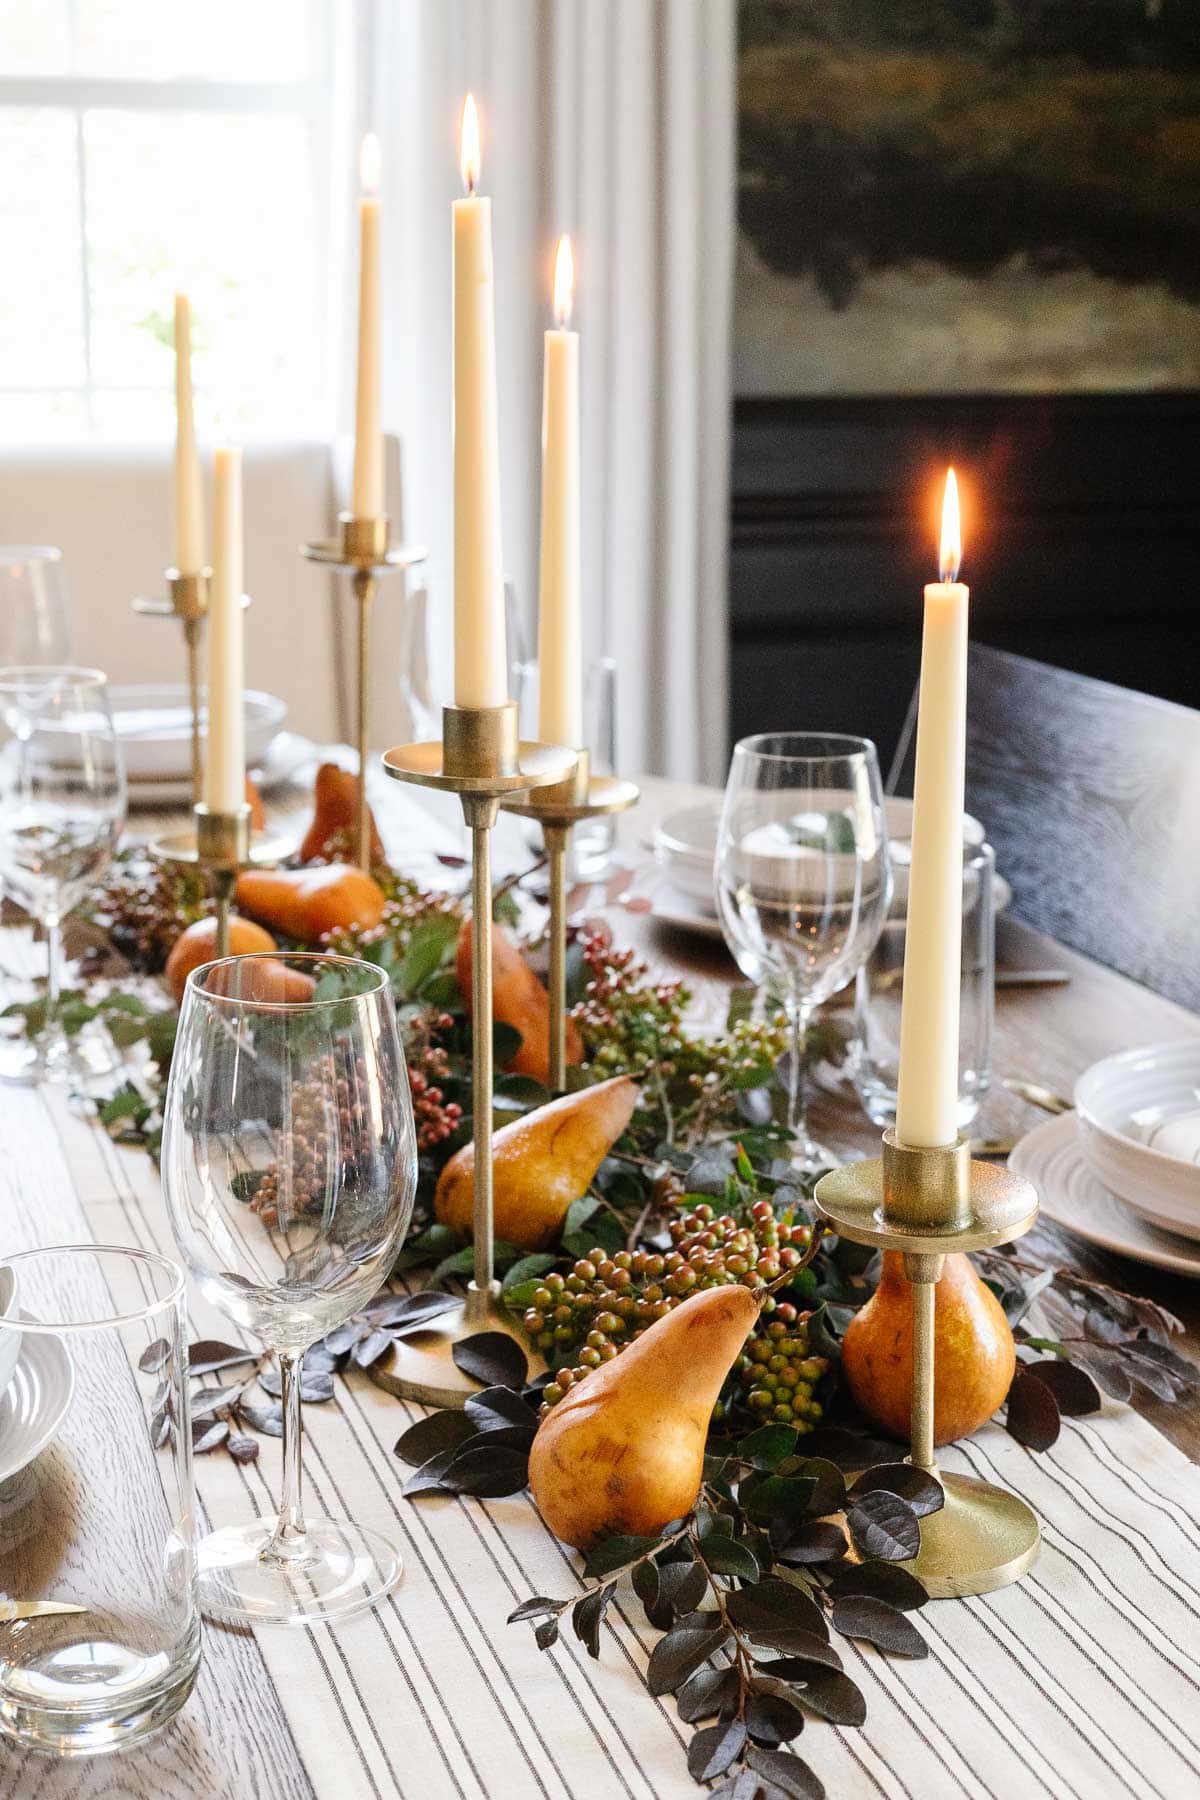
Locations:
(592, 840)
(289, 1166)
(879, 988)
(802, 880)
(97, 1513)
(35, 619)
(62, 804)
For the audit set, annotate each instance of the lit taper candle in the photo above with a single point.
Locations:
(367, 493)
(189, 507)
(927, 1100)
(480, 660)
(560, 665)
(225, 757)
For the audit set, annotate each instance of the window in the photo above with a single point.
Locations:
(149, 145)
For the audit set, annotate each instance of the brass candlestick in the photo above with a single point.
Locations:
(363, 551)
(481, 760)
(558, 809)
(221, 844)
(928, 1204)
(187, 601)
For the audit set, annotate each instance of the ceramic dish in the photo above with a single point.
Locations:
(34, 1404)
(286, 758)
(1123, 1104)
(10, 1341)
(1052, 1157)
(154, 724)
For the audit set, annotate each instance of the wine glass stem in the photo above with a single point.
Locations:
(289, 1538)
(799, 1013)
(53, 971)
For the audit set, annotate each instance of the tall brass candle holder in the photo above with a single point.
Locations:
(928, 1204)
(558, 809)
(363, 551)
(481, 759)
(187, 601)
(220, 845)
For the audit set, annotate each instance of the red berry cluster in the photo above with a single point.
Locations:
(311, 1142)
(428, 1067)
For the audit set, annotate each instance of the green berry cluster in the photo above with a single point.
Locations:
(586, 1317)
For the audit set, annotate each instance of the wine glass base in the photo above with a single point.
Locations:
(341, 1571)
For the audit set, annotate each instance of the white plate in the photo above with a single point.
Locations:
(1119, 1100)
(286, 756)
(35, 1401)
(1052, 1158)
(154, 724)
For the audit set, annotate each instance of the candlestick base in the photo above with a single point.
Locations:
(221, 843)
(422, 1367)
(928, 1204)
(480, 757)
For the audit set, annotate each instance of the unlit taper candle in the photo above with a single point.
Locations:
(189, 507)
(560, 665)
(480, 657)
(927, 1097)
(225, 756)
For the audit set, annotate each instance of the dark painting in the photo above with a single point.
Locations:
(957, 196)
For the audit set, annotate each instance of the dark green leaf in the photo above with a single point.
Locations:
(780, 1501)
(526, 1268)
(725, 1556)
(614, 1552)
(820, 1541)
(535, 1608)
(459, 1262)
(793, 1642)
(506, 1042)
(267, 1419)
(487, 1469)
(370, 1348)
(438, 1432)
(645, 1584)
(1072, 1387)
(773, 1604)
(786, 1772)
(1033, 1416)
(848, 1449)
(403, 1313)
(243, 1449)
(882, 1524)
(587, 1614)
(317, 1386)
(767, 1447)
(883, 1581)
(682, 1651)
(923, 1491)
(207, 1434)
(830, 1494)
(861, 1616)
(705, 1693)
(127, 1104)
(773, 1714)
(681, 1588)
(207, 1401)
(154, 1356)
(1107, 1368)
(209, 1354)
(712, 1750)
(546, 1634)
(428, 947)
(499, 1406)
(493, 1359)
(834, 1696)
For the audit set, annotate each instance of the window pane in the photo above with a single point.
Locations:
(41, 329)
(34, 37)
(220, 205)
(219, 40)
(46, 418)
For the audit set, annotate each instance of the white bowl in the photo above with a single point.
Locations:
(154, 724)
(1125, 1100)
(10, 1341)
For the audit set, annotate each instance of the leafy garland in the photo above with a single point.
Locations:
(804, 1515)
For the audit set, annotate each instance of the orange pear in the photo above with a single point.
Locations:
(306, 903)
(624, 1449)
(519, 1000)
(541, 1163)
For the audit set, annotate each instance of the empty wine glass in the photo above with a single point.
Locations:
(35, 620)
(289, 1166)
(62, 804)
(802, 879)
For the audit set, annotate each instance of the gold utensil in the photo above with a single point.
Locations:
(11, 1610)
(1037, 1095)
(1032, 978)
(993, 1146)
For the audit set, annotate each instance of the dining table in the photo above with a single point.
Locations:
(1080, 1682)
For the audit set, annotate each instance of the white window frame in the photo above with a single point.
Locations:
(316, 99)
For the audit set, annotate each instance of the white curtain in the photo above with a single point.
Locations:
(614, 120)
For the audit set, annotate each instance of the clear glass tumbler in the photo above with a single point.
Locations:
(875, 1051)
(99, 1622)
(35, 616)
(592, 839)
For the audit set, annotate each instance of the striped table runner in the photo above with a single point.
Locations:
(1081, 1682)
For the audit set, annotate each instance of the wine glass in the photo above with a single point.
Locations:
(62, 804)
(289, 1165)
(802, 880)
(35, 619)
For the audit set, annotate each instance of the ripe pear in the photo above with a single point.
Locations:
(624, 1450)
(541, 1164)
(519, 1000)
(974, 1352)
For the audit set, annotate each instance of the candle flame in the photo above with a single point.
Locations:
(950, 554)
(564, 282)
(468, 160)
(370, 162)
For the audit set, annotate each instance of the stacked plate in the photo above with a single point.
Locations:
(1123, 1170)
(154, 724)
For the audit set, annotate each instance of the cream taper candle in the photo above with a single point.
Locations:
(560, 665)
(225, 756)
(480, 659)
(367, 492)
(189, 507)
(927, 1098)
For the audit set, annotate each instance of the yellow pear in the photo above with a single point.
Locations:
(541, 1163)
(624, 1449)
